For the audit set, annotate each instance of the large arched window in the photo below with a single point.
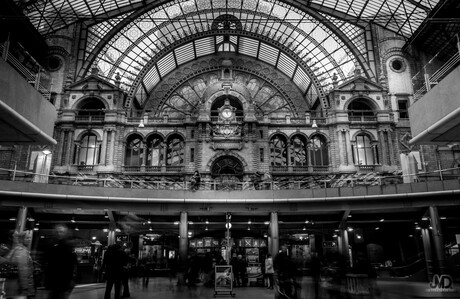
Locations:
(298, 150)
(134, 151)
(89, 150)
(363, 151)
(278, 151)
(155, 150)
(91, 109)
(175, 151)
(319, 151)
(361, 110)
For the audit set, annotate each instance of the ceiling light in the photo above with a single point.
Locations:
(36, 228)
(94, 238)
(334, 235)
(190, 222)
(304, 228)
(118, 230)
(249, 221)
(306, 221)
(105, 230)
(46, 151)
(206, 228)
(148, 221)
(377, 228)
(12, 219)
(76, 228)
(349, 216)
(37, 223)
(381, 220)
(150, 229)
(249, 228)
(176, 222)
(106, 215)
(207, 222)
(418, 227)
(350, 229)
(424, 218)
(267, 222)
(73, 219)
(31, 219)
(443, 218)
(358, 236)
(265, 235)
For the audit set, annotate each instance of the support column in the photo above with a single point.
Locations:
(112, 146)
(60, 153)
(68, 153)
(21, 219)
(382, 144)
(104, 148)
(349, 157)
(427, 251)
(183, 238)
(274, 233)
(111, 237)
(345, 246)
(340, 144)
(438, 240)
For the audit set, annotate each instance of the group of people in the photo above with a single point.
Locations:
(60, 264)
(116, 266)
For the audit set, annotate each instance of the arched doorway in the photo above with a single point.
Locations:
(228, 172)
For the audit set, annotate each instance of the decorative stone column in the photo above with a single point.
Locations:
(104, 148)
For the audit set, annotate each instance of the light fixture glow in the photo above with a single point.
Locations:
(381, 220)
(206, 228)
(76, 228)
(207, 222)
(176, 222)
(36, 228)
(249, 221)
(46, 151)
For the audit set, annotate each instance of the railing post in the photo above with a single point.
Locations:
(14, 170)
(6, 48)
(458, 43)
(427, 79)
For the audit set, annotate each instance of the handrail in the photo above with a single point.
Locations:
(321, 181)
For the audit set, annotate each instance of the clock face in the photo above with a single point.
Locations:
(227, 113)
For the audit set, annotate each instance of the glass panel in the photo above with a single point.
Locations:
(88, 150)
(175, 154)
(298, 151)
(134, 152)
(278, 153)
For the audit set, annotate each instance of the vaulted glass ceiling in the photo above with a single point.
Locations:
(311, 42)
(296, 43)
(400, 16)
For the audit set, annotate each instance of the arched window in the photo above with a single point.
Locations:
(89, 150)
(319, 151)
(363, 151)
(175, 151)
(134, 151)
(298, 149)
(360, 110)
(91, 109)
(155, 150)
(278, 151)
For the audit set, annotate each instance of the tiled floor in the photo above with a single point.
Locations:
(162, 288)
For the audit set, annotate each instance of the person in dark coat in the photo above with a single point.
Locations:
(61, 265)
(285, 274)
(315, 266)
(115, 260)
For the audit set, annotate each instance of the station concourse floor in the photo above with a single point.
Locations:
(162, 288)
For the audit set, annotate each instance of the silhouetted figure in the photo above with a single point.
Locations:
(315, 267)
(195, 181)
(113, 265)
(285, 269)
(126, 274)
(269, 270)
(61, 268)
(23, 285)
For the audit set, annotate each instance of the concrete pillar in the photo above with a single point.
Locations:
(312, 241)
(274, 233)
(61, 147)
(183, 237)
(427, 251)
(345, 246)
(21, 219)
(111, 238)
(438, 240)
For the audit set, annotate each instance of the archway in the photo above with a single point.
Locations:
(228, 171)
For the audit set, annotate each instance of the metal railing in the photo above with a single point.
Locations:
(434, 71)
(34, 78)
(310, 182)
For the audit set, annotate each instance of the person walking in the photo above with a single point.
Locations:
(114, 262)
(285, 274)
(195, 181)
(315, 266)
(269, 271)
(61, 265)
(21, 286)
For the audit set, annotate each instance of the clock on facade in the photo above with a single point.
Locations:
(227, 113)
